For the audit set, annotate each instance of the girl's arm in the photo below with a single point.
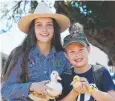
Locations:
(13, 88)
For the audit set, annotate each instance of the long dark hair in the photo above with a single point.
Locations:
(24, 49)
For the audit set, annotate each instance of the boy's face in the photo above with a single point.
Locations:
(77, 54)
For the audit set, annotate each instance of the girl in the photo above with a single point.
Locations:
(41, 52)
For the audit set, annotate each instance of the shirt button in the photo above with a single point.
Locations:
(45, 72)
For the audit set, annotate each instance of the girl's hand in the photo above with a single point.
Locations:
(39, 87)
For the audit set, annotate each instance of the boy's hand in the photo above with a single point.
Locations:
(77, 85)
(81, 86)
(85, 85)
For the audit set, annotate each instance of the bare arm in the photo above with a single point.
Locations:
(103, 96)
(98, 95)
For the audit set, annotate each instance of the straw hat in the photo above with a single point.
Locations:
(42, 10)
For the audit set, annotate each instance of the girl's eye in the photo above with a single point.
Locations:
(38, 25)
(50, 25)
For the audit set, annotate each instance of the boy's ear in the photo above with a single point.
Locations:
(65, 55)
(89, 49)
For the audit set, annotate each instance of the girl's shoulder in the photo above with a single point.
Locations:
(60, 54)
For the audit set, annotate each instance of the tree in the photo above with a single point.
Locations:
(11, 12)
(97, 17)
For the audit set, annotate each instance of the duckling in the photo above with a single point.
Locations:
(75, 83)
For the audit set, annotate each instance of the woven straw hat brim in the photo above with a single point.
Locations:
(25, 21)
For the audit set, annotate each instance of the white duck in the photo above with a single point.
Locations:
(54, 88)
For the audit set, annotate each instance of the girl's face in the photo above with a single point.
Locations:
(44, 29)
(77, 54)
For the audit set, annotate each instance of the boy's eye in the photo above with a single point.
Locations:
(81, 50)
(71, 52)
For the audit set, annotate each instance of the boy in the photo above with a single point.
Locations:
(85, 88)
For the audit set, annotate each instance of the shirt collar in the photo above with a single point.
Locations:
(37, 52)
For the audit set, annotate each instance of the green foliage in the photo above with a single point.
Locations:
(82, 7)
(33, 5)
(93, 12)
